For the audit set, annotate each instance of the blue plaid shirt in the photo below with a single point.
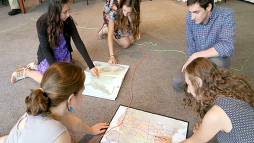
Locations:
(217, 32)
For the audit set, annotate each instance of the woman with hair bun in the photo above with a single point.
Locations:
(47, 118)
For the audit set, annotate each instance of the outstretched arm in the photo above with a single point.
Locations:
(82, 49)
(76, 125)
(214, 121)
(111, 25)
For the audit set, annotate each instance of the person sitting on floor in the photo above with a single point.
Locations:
(47, 118)
(121, 23)
(223, 99)
(210, 33)
(55, 29)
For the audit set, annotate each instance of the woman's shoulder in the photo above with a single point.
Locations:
(214, 113)
(43, 18)
(69, 19)
(227, 101)
(68, 22)
(63, 138)
(42, 21)
(44, 122)
(68, 25)
(111, 5)
(43, 128)
(52, 123)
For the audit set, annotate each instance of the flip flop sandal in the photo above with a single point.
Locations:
(100, 36)
(18, 74)
(32, 66)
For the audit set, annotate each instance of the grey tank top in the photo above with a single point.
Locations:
(37, 129)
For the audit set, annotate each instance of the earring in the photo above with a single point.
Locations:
(70, 109)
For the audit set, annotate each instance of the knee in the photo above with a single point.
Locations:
(133, 41)
(177, 81)
(221, 62)
(178, 85)
(125, 45)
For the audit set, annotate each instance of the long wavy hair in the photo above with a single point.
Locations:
(216, 83)
(135, 16)
(59, 81)
(54, 23)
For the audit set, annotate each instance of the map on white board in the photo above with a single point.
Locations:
(109, 82)
(141, 127)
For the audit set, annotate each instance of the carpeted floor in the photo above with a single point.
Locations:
(163, 24)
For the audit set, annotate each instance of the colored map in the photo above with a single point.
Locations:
(109, 82)
(141, 127)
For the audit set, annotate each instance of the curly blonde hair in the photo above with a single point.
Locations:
(216, 83)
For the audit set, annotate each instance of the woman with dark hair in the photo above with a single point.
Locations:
(224, 100)
(121, 23)
(47, 118)
(55, 29)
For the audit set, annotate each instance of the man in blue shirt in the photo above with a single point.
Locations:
(210, 33)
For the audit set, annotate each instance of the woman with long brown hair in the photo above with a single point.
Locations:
(47, 118)
(55, 29)
(224, 100)
(121, 23)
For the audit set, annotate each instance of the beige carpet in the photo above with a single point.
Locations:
(163, 24)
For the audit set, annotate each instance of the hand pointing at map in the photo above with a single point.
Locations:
(94, 71)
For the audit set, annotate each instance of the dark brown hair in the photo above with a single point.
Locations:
(216, 83)
(135, 16)
(54, 23)
(202, 3)
(59, 81)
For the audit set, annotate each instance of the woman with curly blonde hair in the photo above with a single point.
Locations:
(224, 100)
(121, 23)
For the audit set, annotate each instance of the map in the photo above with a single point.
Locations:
(141, 127)
(109, 82)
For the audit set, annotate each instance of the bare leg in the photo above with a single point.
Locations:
(35, 75)
(125, 42)
(3, 138)
(103, 31)
(132, 39)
